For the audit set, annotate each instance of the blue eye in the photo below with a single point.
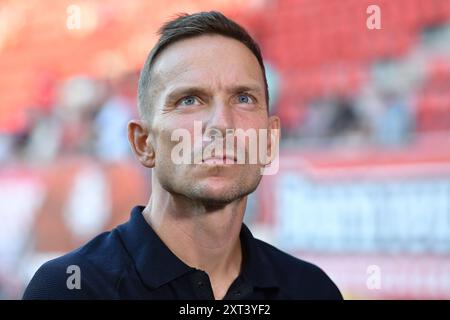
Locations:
(245, 98)
(188, 101)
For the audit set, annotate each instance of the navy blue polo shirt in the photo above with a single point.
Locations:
(132, 262)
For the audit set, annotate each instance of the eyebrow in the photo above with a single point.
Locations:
(198, 90)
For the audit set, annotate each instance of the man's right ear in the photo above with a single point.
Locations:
(141, 144)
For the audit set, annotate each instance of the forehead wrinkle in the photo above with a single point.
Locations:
(209, 79)
(212, 48)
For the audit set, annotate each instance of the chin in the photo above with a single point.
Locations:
(215, 190)
(216, 187)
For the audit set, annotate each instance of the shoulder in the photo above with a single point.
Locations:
(89, 272)
(299, 279)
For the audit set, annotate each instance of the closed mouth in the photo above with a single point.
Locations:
(226, 159)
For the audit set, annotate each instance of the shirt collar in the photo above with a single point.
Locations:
(257, 267)
(157, 265)
(154, 261)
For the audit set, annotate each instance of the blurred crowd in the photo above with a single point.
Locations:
(81, 116)
(399, 100)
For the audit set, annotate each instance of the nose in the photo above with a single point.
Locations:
(220, 119)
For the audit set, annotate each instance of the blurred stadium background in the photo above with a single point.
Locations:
(364, 184)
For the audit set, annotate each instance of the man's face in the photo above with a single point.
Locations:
(218, 81)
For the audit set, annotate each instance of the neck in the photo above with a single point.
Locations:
(203, 236)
